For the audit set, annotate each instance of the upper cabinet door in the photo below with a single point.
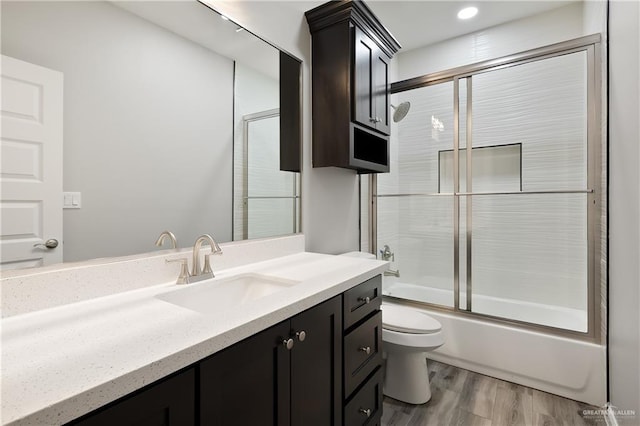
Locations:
(371, 83)
(363, 103)
(381, 90)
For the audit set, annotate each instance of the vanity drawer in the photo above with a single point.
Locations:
(365, 408)
(362, 352)
(361, 300)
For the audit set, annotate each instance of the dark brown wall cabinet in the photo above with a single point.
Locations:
(350, 99)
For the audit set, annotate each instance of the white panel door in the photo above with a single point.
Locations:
(31, 164)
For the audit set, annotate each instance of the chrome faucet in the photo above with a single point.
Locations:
(164, 235)
(197, 273)
(195, 265)
(389, 256)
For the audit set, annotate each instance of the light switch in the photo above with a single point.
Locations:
(71, 200)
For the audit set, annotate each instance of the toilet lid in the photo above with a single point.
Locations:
(407, 320)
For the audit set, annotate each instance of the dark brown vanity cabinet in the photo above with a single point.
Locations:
(363, 353)
(289, 374)
(351, 52)
(168, 402)
(321, 367)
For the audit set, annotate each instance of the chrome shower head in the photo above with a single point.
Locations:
(400, 111)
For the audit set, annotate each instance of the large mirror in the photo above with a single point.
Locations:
(171, 120)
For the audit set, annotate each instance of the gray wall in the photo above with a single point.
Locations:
(624, 208)
(147, 125)
(330, 208)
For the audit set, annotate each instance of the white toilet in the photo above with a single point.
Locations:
(407, 335)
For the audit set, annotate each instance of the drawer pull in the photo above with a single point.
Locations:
(301, 335)
(288, 343)
(365, 349)
(366, 412)
(364, 299)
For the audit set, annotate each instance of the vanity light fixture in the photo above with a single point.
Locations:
(468, 12)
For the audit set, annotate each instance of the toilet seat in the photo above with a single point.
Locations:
(406, 320)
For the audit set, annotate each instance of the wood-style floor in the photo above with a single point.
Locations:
(462, 397)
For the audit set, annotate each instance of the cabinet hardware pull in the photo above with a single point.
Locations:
(366, 349)
(301, 335)
(378, 119)
(288, 343)
(364, 299)
(372, 119)
(366, 412)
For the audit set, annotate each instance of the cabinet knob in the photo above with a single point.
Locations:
(301, 335)
(366, 412)
(288, 343)
(365, 349)
(364, 299)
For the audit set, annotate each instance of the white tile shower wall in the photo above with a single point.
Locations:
(559, 24)
(530, 248)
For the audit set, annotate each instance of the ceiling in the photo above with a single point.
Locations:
(420, 23)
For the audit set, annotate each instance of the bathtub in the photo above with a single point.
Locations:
(559, 365)
(537, 313)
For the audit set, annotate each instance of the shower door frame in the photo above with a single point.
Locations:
(246, 121)
(595, 191)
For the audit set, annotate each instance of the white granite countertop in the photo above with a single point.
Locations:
(63, 362)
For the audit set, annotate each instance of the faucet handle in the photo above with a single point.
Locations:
(387, 254)
(206, 269)
(183, 278)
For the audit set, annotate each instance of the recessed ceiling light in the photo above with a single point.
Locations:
(467, 13)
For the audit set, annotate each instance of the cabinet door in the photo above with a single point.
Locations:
(381, 90)
(363, 103)
(316, 368)
(371, 84)
(170, 402)
(248, 383)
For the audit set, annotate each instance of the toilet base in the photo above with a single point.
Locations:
(407, 377)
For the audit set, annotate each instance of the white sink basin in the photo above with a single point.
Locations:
(221, 294)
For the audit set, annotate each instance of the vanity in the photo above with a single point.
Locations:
(304, 348)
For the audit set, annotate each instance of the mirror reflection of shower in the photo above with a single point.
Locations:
(400, 111)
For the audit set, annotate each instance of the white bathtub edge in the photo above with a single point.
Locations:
(565, 367)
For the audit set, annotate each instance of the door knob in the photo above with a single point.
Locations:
(49, 244)
(301, 335)
(288, 343)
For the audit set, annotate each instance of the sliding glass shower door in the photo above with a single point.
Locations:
(492, 204)
(530, 244)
